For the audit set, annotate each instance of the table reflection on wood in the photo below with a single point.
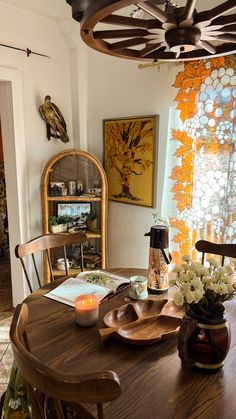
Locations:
(154, 383)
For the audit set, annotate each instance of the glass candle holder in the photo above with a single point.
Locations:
(86, 309)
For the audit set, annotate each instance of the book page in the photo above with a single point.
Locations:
(74, 287)
(105, 279)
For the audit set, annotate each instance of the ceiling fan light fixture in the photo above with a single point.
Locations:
(179, 32)
(181, 40)
(180, 49)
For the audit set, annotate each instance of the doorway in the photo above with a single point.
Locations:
(15, 168)
(5, 268)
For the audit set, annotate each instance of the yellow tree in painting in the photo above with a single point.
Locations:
(128, 150)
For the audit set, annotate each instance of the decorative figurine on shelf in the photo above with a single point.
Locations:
(55, 123)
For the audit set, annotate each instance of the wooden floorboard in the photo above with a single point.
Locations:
(6, 307)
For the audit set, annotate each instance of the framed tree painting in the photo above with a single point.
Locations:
(129, 158)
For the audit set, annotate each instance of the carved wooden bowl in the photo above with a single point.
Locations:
(143, 322)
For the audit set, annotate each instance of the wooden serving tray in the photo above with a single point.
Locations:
(143, 322)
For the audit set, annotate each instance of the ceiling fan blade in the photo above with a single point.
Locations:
(154, 11)
(156, 31)
(222, 9)
(188, 13)
(227, 38)
(213, 34)
(126, 21)
(154, 40)
(205, 18)
(168, 26)
(207, 46)
(161, 55)
(224, 20)
(150, 48)
(228, 29)
(155, 36)
(127, 43)
(212, 28)
(206, 37)
(120, 33)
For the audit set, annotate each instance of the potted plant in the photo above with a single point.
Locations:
(204, 334)
(91, 219)
(59, 224)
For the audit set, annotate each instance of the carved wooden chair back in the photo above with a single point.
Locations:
(223, 250)
(44, 244)
(55, 394)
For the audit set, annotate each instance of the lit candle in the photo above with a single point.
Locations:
(86, 309)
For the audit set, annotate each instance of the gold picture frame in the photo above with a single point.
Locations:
(130, 145)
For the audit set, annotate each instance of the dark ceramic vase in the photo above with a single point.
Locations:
(203, 343)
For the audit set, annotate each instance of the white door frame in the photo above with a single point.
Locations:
(15, 161)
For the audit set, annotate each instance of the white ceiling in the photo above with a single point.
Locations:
(55, 9)
(59, 9)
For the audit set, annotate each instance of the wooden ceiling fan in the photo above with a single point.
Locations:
(165, 32)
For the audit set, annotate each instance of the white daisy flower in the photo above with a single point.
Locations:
(213, 262)
(189, 296)
(185, 266)
(172, 282)
(177, 269)
(186, 258)
(184, 278)
(221, 289)
(230, 268)
(178, 298)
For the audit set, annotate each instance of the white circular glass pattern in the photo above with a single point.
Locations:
(214, 121)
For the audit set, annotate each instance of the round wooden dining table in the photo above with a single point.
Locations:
(154, 383)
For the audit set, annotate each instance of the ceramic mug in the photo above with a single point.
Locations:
(61, 264)
(138, 290)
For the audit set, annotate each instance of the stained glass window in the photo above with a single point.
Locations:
(202, 178)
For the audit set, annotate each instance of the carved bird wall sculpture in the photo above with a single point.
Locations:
(55, 123)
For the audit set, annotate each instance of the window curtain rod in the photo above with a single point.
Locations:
(27, 51)
(157, 64)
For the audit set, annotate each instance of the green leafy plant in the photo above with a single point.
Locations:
(90, 216)
(62, 219)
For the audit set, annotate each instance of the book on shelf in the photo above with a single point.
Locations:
(101, 283)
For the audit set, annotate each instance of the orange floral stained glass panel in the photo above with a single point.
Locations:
(203, 174)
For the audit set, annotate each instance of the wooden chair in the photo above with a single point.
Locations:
(43, 244)
(53, 394)
(224, 250)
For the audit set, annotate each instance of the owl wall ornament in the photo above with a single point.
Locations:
(55, 123)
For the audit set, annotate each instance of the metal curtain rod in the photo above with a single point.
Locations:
(27, 51)
(155, 64)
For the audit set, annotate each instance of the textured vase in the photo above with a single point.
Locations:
(92, 225)
(203, 343)
(59, 228)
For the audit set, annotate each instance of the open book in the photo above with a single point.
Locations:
(101, 283)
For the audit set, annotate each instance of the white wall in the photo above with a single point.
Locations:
(39, 76)
(117, 88)
(107, 87)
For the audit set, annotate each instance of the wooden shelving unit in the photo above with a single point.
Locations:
(77, 165)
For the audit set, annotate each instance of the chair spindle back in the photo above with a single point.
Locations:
(45, 243)
(48, 388)
(223, 250)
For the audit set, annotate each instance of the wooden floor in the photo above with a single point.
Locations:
(6, 311)
(6, 357)
(6, 307)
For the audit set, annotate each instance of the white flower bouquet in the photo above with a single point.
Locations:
(201, 289)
